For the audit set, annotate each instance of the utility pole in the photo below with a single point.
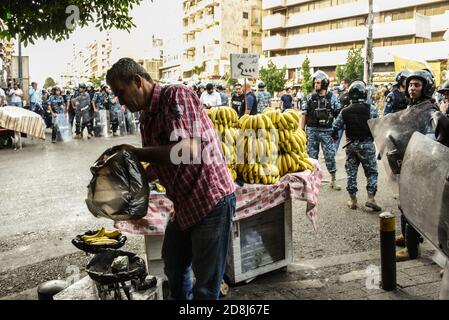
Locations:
(20, 61)
(369, 57)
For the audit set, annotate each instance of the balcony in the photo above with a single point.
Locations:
(273, 4)
(273, 43)
(209, 20)
(205, 3)
(189, 44)
(273, 22)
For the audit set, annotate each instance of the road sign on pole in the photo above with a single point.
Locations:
(244, 66)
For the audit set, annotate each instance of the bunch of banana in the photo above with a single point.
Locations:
(229, 153)
(252, 149)
(291, 141)
(260, 121)
(274, 115)
(292, 162)
(225, 116)
(289, 120)
(102, 237)
(259, 173)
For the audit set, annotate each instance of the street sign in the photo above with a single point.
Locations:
(244, 66)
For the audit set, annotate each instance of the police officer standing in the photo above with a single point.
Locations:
(100, 102)
(57, 108)
(360, 148)
(83, 115)
(114, 111)
(444, 104)
(420, 87)
(320, 109)
(263, 98)
(397, 100)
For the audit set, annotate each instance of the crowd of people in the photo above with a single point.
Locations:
(83, 108)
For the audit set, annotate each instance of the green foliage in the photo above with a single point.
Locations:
(353, 69)
(47, 19)
(307, 85)
(273, 78)
(49, 82)
(230, 81)
(96, 82)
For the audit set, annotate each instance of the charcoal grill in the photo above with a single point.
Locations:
(113, 283)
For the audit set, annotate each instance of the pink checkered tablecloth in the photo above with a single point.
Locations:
(251, 200)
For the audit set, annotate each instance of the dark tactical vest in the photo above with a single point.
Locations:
(400, 101)
(356, 118)
(319, 111)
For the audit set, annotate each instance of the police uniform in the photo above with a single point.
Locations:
(360, 148)
(320, 111)
(395, 102)
(114, 111)
(101, 103)
(83, 113)
(56, 104)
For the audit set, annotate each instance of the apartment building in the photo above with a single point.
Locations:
(6, 55)
(152, 66)
(171, 60)
(214, 29)
(325, 30)
(94, 60)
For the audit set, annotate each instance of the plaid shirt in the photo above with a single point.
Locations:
(195, 189)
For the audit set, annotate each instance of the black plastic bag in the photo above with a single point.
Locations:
(119, 188)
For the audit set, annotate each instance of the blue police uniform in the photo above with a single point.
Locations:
(56, 104)
(360, 148)
(321, 111)
(395, 101)
(83, 113)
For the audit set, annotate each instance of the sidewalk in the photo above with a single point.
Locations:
(349, 277)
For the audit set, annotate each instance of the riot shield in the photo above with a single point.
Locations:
(392, 134)
(122, 121)
(424, 189)
(103, 123)
(63, 127)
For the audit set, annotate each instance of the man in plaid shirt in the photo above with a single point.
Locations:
(180, 143)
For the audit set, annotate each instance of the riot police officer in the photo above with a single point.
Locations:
(83, 112)
(397, 100)
(360, 148)
(114, 112)
(100, 102)
(320, 109)
(57, 108)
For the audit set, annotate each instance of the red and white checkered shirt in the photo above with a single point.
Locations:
(195, 189)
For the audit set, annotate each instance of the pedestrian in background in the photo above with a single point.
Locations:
(263, 98)
(16, 95)
(35, 99)
(210, 98)
(287, 100)
(224, 97)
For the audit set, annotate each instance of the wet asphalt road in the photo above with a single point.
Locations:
(42, 208)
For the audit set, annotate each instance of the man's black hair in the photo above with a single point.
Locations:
(125, 69)
(209, 86)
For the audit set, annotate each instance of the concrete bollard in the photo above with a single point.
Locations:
(388, 250)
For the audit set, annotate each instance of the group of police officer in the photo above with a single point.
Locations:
(325, 117)
(84, 107)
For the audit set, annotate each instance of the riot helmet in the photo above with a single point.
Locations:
(261, 85)
(428, 82)
(321, 75)
(358, 91)
(445, 88)
(401, 77)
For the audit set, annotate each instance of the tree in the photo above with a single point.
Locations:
(230, 81)
(353, 69)
(58, 19)
(306, 83)
(96, 82)
(273, 77)
(49, 82)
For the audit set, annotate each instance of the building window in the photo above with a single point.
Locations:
(245, 33)
(245, 50)
(245, 15)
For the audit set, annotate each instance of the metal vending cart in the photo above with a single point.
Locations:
(262, 232)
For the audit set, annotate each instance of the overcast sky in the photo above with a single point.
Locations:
(162, 18)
